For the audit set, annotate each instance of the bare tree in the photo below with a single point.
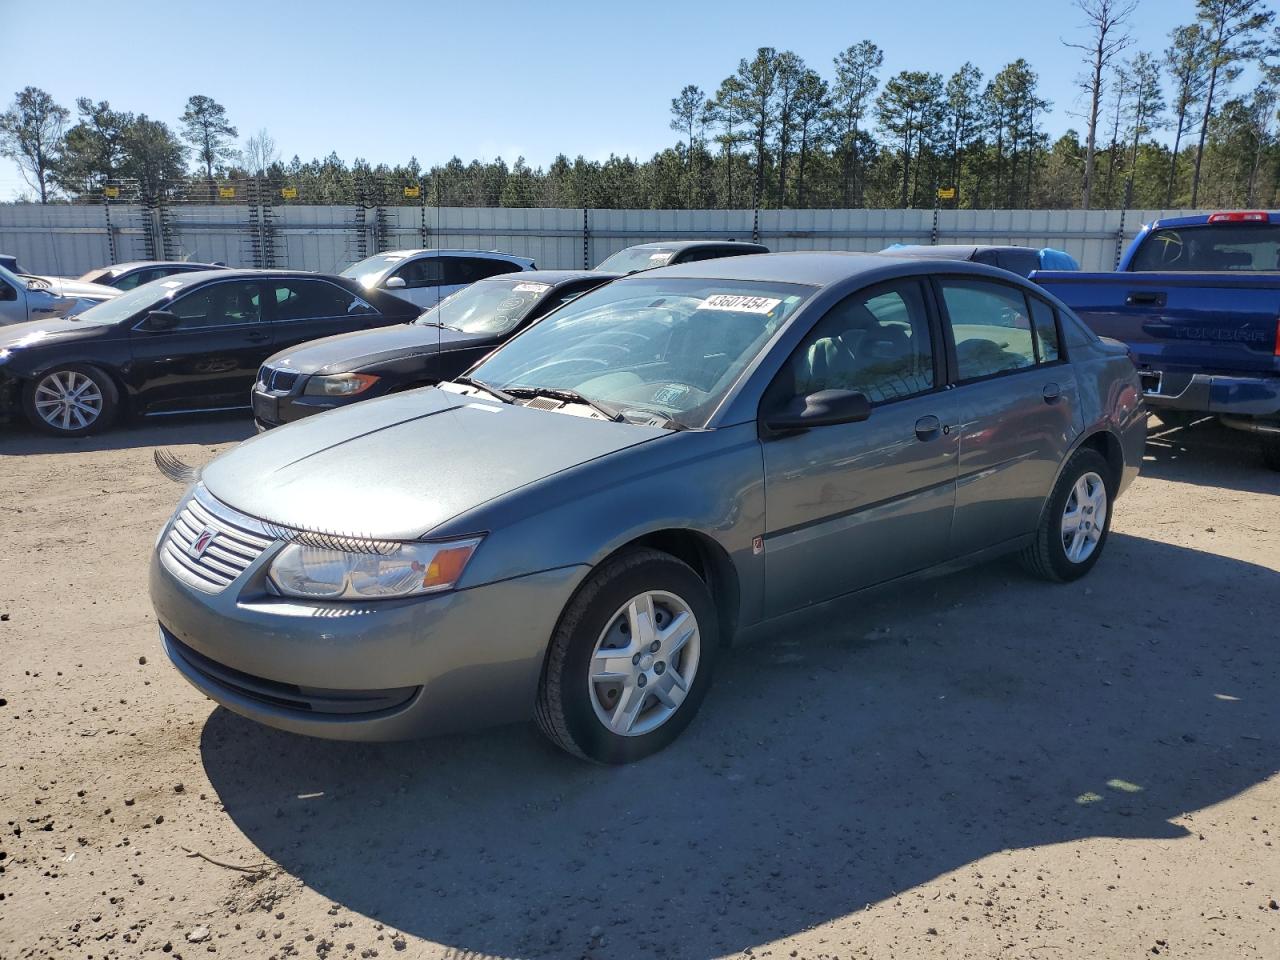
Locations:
(1105, 20)
(260, 152)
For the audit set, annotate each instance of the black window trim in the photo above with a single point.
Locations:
(176, 295)
(953, 374)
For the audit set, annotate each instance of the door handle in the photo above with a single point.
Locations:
(928, 427)
(1145, 298)
(257, 337)
(1052, 393)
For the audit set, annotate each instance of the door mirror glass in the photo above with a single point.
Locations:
(160, 320)
(822, 409)
(395, 283)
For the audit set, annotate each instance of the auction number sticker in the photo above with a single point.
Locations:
(657, 259)
(531, 287)
(739, 303)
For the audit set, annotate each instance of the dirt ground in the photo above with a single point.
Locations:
(978, 765)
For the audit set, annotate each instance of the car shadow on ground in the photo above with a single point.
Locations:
(1208, 454)
(864, 749)
(207, 428)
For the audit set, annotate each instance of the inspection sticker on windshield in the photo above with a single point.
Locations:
(657, 259)
(739, 303)
(531, 287)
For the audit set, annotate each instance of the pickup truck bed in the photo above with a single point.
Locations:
(1204, 342)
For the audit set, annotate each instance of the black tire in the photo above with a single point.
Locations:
(108, 409)
(1271, 452)
(1046, 556)
(565, 712)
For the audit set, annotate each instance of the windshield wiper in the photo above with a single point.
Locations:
(437, 323)
(569, 396)
(480, 384)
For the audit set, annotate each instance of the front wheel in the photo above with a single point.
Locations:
(71, 401)
(630, 660)
(1271, 451)
(1075, 521)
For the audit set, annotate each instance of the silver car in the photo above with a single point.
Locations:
(575, 529)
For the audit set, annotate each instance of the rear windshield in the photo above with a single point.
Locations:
(637, 258)
(1212, 247)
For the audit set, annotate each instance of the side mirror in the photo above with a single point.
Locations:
(822, 409)
(395, 283)
(157, 321)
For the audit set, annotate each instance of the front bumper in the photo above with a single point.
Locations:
(385, 670)
(274, 409)
(1212, 393)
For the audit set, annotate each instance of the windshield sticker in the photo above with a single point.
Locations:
(739, 303)
(657, 259)
(531, 287)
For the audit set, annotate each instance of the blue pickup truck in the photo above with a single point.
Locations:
(1197, 301)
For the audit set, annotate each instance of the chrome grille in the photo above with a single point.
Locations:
(237, 541)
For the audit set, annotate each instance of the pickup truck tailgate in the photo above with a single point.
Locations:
(1203, 322)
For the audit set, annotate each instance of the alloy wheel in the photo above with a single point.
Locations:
(68, 400)
(644, 663)
(1084, 517)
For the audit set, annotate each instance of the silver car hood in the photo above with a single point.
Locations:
(396, 467)
(79, 289)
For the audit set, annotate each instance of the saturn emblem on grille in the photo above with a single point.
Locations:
(201, 543)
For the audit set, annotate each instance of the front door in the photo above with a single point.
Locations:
(1018, 405)
(302, 310)
(850, 505)
(210, 358)
(422, 278)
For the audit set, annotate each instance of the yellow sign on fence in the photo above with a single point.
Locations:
(412, 192)
(227, 193)
(111, 192)
(289, 193)
(946, 193)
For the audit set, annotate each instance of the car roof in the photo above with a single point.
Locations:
(452, 252)
(193, 277)
(960, 251)
(817, 268)
(690, 244)
(136, 264)
(554, 276)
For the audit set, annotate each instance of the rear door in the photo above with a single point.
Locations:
(1018, 407)
(850, 505)
(210, 359)
(301, 309)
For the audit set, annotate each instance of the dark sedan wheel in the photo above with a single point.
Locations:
(71, 401)
(1075, 521)
(630, 660)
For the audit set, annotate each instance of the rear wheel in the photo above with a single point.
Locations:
(630, 660)
(1075, 522)
(71, 401)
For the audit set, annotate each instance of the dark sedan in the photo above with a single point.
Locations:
(126, 276)
(668, 253)
(438, 345)
(186, 343)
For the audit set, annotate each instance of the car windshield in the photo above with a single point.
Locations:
(1211, 248)
(124, 306)
(637, 258)
(368, 270)
(97, 275)
(487, 307)
(652, 348)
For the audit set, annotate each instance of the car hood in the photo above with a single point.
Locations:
(20, 336)
(397, 467)
(79, 289)
(345, 352)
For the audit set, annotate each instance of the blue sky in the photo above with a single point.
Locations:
(390, 80)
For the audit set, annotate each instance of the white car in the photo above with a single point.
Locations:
(425, 277)
(24, 297)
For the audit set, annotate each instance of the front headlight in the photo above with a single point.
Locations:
(318, 573)
(340, 385)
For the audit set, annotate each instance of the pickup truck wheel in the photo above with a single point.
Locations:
(1271, 452)
(72, 400)
(1075, 521)
(630, 660)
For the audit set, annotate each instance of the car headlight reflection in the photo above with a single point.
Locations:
(341, 385)
(318, 573)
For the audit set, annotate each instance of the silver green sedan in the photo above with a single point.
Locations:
(575, 529)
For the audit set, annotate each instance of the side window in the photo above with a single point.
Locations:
(471, 269)
(135, 279)
(1042, 318)
(876, 342)
(426, 272)
(992, 331)
(219, 305)
(305, 299)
